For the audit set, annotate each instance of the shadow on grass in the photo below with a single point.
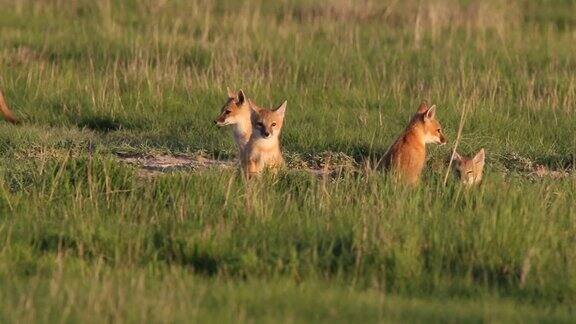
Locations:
(61, 243)
(336, 255)
(557, 162)
(367, 156)
(177, 251)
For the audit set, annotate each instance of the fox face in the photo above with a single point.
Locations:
(432, 129)
(235, 110)
(268, 123)
(469, 171)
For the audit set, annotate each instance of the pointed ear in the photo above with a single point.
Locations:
(241, 97)
(281, 110)
(254, 110)
(231, 94)
(423, 107)
(457, 157)
(479, 158)
(253, 106)
(430, 113)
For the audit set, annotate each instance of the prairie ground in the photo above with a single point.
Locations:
(88, 237)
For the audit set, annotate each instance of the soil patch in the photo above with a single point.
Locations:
(155, 164)
(324, 164)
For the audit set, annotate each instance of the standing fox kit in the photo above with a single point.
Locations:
(236, 112)
(407, 155)
(469, 171)
(263, 148)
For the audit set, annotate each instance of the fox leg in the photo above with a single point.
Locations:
(251, 168)
(277, 165)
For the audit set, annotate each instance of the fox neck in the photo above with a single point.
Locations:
(242, 131)
(270, 143)
(415, 135)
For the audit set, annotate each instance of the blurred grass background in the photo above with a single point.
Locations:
(85, 239)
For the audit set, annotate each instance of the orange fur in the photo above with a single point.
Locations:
(263, 148)
(406, 157)
(6, 111)
(237, 113)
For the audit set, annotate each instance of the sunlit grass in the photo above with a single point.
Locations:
(84, 238)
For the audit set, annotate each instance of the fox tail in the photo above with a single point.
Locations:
(6, 112)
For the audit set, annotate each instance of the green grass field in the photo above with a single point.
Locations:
(84, 238)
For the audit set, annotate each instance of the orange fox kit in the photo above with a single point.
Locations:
(407, 155)
(236, 112)
(469, 171)
(263, 148)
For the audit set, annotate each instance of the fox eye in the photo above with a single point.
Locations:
(469, 172)
(260, 124)
(439, 130)
(227, 112)
(273, 124)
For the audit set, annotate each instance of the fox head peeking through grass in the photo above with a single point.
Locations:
(469, 170)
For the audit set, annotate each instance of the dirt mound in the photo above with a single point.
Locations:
(324, 164)
(536, 170)
(154, 164)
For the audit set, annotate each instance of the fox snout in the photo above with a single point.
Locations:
(442, 140)
(220, 121)
(265, 133)
(264, 130)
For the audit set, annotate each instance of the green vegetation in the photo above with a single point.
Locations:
(84, 238)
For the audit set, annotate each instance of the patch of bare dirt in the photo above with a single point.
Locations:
(536, 170)
(542, 171)
(155, 164)
(324, 164)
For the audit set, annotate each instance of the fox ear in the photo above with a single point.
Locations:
(423, 107)
(241, 97)
(253, 106)
(231, 94)
(479, 158)
(254, 111)
(457, 157)
(430, 113)
(281, 110)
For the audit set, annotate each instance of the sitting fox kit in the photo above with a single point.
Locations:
(236, 112)
(407, 155)
(263, 148)
(469, 170)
